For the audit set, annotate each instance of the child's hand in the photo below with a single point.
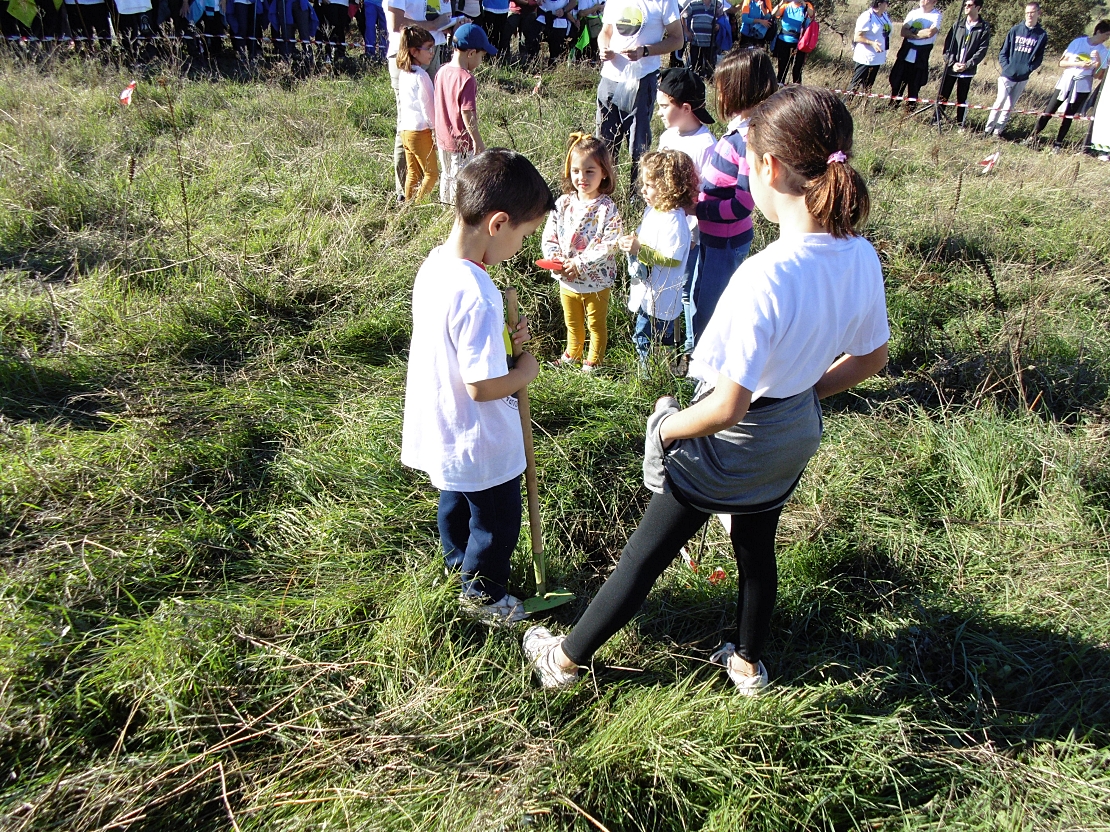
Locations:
(521, 334)
(629, 244)
(528, 366)
(571, 271)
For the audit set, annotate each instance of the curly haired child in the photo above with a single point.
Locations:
(657, 251)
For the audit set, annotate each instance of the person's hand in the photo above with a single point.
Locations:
(479, 146)
(571, 270)
(633, 54)
(520, 333)
(958, 67)
(629, 244)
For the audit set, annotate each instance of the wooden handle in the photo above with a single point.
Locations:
(532, 486)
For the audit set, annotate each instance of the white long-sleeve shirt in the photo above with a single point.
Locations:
(415, 100)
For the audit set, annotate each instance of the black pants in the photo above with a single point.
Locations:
(86, 21)
(863, 78)
(525, 23)
(556, 39)
(703, 60)
(962, 85)
(788, 56)
(213, 27)
(245, 41)
(333, 23)
(665, 528)
(908, 77)
(494, 25)
(1065, 123)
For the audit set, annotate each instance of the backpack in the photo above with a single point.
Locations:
(808, 41)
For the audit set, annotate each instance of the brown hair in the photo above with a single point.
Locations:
(412, 38)
(743, 78)
(501, 180)
(809, 130)
(594, 148)
(674, 176)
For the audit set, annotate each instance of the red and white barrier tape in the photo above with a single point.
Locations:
(202, 36)
(859, 94)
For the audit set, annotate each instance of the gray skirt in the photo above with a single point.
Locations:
(751, 467)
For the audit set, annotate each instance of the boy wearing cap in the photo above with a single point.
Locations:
(681, 100)
(456, 104)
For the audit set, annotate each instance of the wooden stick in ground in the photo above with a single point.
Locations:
(532, 487)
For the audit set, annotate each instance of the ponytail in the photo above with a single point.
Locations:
(810, 132)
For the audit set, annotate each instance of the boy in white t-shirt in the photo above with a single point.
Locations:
(461, 424)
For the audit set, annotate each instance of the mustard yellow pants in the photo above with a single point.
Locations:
(420, 159)
(586, 311)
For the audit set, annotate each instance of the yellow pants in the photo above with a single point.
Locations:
(582, 311)
(420, 160)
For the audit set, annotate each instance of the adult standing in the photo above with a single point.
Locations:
(754, 22)
(634, 36)
(911, 65)
(1021, 54)
(872, 39)
(794, 16)
(1099, 135)
(398, 15)
(1083, 59)
(964, 49)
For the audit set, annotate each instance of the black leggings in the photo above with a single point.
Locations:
(962, 85)
(1065, 123)
(664, 530)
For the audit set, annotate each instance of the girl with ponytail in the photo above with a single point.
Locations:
(801, 320)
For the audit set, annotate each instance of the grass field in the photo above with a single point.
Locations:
(221, 600)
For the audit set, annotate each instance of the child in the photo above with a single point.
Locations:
(456, 107)
(681, 100)
(662, 242)
(415, 112)
(744, 78)
(461, 422)
(804, 319)
(582, 233)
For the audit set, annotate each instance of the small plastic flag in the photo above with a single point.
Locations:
(539, 83)
(988, 164)
(718, 575)
(693, 564)
(125, 96)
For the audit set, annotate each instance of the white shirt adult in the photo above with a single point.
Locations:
(874, 26)
(133, 6)
(632, 25)
(1077, 79)
(790, 310)
(458, 338)
(920, 20)
(402, 13)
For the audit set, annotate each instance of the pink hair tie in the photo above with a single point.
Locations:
(838, 156)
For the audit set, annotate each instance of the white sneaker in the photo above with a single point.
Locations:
(745, 685)
(539, 646)
(509, 610)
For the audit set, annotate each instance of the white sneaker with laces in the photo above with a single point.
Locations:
(508, 610)
(539, 647)
(745, 685)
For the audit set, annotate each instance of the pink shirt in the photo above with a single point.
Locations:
(456, 90)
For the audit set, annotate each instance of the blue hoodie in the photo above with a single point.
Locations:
(1022, 51)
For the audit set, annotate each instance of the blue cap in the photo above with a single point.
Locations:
(469, 36)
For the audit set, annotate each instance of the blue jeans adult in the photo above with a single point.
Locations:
(479, 531)
(651, 330)
(715, 267)
(376, 33)
(623, 118)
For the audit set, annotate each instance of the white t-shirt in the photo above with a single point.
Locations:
(661, 294)
(553, 6)
(413, 10)
(920, 19)
(415, 100)
(458, 337)
(874, 27)
(636, 23)
(1078, 78)
(790, 310)
(133, 6)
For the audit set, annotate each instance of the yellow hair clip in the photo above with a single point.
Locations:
(575, 138)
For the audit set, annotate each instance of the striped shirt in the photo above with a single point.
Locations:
(725, 204)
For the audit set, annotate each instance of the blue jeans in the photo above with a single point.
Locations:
(479, 531)
(714, 269)
(376, 32)
(615, 126)
(649, 329)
